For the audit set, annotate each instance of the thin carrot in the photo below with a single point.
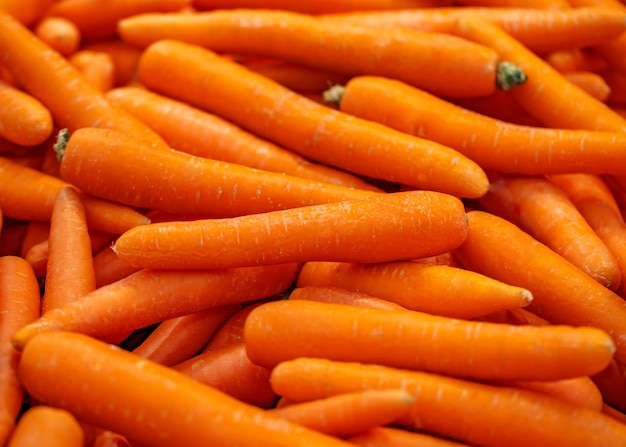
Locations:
(23, 119)
(59, 33)
(547, 95)
(308, 128)
(462, 410)
(308, 7)
(229, 369)
(148, 297)
(108, 267)
(35, 233)
(96, 67)
(189, 129)
(178, 339)
(562, 293)
(185, 411)
(26, 12)
(349, 414)
(19, 305)
(494, 144)
(576, 59)
(423, 342)
(231, 332)
(436, 289)
(540, 30)
(44, 425)
(55, 82)
(338, 295)
(544, 211)
(398, 437)
(500, 105)
(593, 83)
(374, 229)
(125, 57)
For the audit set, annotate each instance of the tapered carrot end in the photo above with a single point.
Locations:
(27, 332)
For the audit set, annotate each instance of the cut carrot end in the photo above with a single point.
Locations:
(63, 137)
(509, 76)
(333, 95)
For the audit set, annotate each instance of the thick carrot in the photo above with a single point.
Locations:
(562, 293)
(148, 403)
(50, 426)
(55, 82)
(26, 12)
(547, 95)
(309, 7)
(540, 30)
(178, 339)
(436, 289)
(23, 119)
(466, 411)
(370, 230)
(311, 129)
(59, 33)
(19, 305)
(494, 144)
(455, 67)
(349, 414)
(229, 369)
(413, 340)
(96, 67)
(148, 297)
(339, 295)
(398, 437)
(103, 162)
(544, 211)
(199, 133)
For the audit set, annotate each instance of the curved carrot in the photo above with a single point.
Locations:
(562, 293)
(400, 53)
(494, 144)
(436, 289)
(547, 95)
(59, 33)
(545, 212)
(96, 67)
(19, 305)
(148, 297)
(338, 295)
(188, 129)
(24, 120)
(309, 7)
(349, 414)
(398, 437)
(461, 410)
(64, 369)
(103, 162)
(50, 426)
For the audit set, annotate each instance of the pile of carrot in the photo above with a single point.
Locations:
(379, 223)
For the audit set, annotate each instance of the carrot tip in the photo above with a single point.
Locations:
(61, 143)
(509, 75)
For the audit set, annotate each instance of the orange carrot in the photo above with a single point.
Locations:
(11, 236)
(19, 305)
(576, 59)
(148, 297)
(185, 411)
(59, 33)
(26, 12)
(419, 341)
(318, 7)
(617, 84)
(349, 414)
(23, 119)
(178, 339)
(547, 4)
(500, 105)
(398, 437)
(55, 82)
(562, 293)
(436, 289)
(103, 162)
(547, 95)
(593, 83)
(492, 143)
(108, 267)
(338, 295)
(96, 67)
(188, 129)
(614, 413)
(545, 212)
(612, 384)
(308, 128)
(44, 425)
(466, 411)
(36, 232)
(125, 57)
(231, 332)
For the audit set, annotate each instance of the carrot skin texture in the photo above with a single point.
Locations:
(43, 425)
(185, 411)
(23, 119)
(466, 411)
(562, 293)
(370, 230)
(304, 126)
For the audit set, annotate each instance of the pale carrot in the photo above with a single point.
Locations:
(50, 426)
(24, 120)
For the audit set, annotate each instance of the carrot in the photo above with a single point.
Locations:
(612, 384)
(188, 129)
(580, 187)
(36, 232)
(500, 105)
(593, 83)
(148, 297)
(374, 229)
(545, 212)
(98, 20)
(547, 95)
(342, 49)
(26, 12)
(398, 437)
(436, 289)
(125, 58)
(514, 316)
(349, 414)
(58, 85)
(23, 119)
(494, 144)
(59, 33)
(44, 425)
(96, 67)
(562, 293)
(19, 305)
(419, 341)
(338, 295)
(178, 339)
(308, 7)
(616, 82)
(453, 408)
(614, 413)
(313, 130)
(229, 369)
(11, 236)
(577, 59)
(231, 332)
(547, 4)
(108, 267)
(540, 30)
